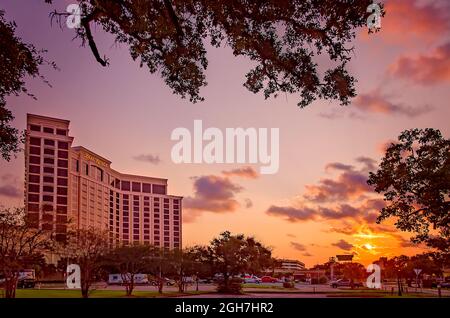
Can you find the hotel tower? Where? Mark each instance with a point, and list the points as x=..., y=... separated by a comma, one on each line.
x=65, y=183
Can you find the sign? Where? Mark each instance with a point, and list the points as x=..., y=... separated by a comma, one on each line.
x=73, y=279
x=95, y=160
x=345, y=258
x=417, y=271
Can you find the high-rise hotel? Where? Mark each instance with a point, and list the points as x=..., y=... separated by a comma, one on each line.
x=65, y=183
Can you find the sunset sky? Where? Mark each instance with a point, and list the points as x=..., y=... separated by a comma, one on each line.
x=318, y=204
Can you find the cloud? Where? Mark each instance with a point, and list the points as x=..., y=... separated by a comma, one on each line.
x=306, y=254
x=413, y=21
x=298, y=246
x=338, y=166
x=376, y=102
x=369, y=163
x=349, y=184
x=212, y=194
x=291, y=235
x=248, y=203
x=9, y=187
x=343, y=245
x=383, y=146
x=424, y=69
x=291, y=214
x=8, y=190
x=153, y=159
x=245, y=172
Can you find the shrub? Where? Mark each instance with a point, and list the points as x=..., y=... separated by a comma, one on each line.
x=234, y=286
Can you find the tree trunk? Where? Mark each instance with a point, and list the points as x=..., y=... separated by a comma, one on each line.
x=10, y=287
x=399, y=286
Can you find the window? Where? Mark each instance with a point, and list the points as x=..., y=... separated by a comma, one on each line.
x=62, y=172
x=33, y=207
x=49, y=161
x=34, y=169
x=146, y=187
x=75, y=165
x=35, y=160
x=49, y=169
x=35, y=141
x=49, y=130
x=33, y=197
x=159, y=189
x=63, y=145
x=48, y=189
x=136, y=187
x=48, y=198
x=63, y=154
x=49, y=142
x=61, y=132
x=33, y=188
x=35, y=150
x=126, y=185
x=49, y=152
x=48, y=179
x=61, y=209
x=35, y=127
x=86, y=169
x=63, y=163
x=33, y=178
x=62, y=182
x=62, y=191
x=61, y=200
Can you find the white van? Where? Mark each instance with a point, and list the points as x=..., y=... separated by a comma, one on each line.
x=116, y=279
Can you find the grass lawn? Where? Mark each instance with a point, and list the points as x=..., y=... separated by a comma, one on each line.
x=266, y=287
x=72, y=293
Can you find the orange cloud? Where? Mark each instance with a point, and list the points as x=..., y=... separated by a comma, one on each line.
x=424, y=69
x=411, y=20
x=376, y=102
x=245, y=172
x=211, y=194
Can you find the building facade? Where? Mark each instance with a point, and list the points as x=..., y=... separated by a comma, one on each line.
x=289, y=266
x=73, y=186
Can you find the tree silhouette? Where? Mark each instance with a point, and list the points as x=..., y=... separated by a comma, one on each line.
x=414, y=176
x=17, y=60
x=281, y=37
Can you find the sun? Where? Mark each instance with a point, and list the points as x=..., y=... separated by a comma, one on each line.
x=369, y=246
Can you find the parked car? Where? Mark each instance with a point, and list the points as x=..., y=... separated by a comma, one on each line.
x=27, y=279
x=345, y=283
x=117, y=279
x=248, y=279
x=167, y=282
x=269, y=279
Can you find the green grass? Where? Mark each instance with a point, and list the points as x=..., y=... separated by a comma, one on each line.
x=266, y=287
x=72, y=293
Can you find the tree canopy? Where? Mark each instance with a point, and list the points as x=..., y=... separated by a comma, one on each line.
x=414, y=177
x=17, y=61
x=281, y=37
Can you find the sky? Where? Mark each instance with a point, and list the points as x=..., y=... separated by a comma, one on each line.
x=318, y=204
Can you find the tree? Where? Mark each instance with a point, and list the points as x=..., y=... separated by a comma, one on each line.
x=397, y=267
x=353, y=272
x=17, y=61
x=414, y=177
x=129, y=261
x=87, y=248
x=280, y=37
x=231, y=255
x=21, y=246
x=182, y=264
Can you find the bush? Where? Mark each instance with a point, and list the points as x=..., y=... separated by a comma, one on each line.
x=288, y=285
x=234, y=286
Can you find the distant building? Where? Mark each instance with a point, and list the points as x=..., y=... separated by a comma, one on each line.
x=64, y=183
x=289, y=266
